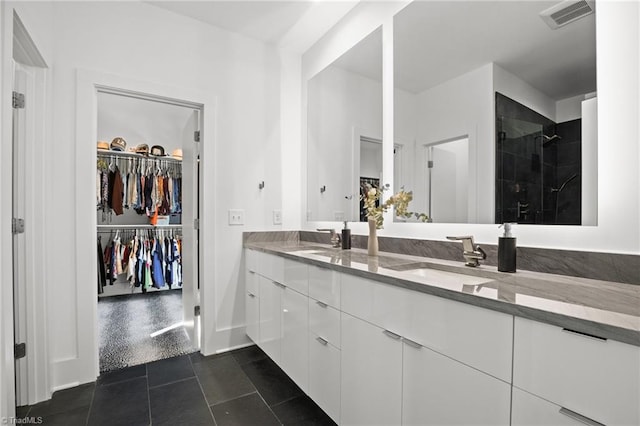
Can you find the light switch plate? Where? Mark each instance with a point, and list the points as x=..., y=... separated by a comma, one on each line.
x=339, y=216
x=236, y=217
x=277, y=217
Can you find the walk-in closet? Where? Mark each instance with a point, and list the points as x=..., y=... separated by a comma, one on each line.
x=139, y=235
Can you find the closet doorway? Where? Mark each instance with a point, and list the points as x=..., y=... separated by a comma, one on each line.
x=147, y=198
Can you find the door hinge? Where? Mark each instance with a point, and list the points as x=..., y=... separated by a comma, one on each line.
x=19, y=350
x=196, y=224
x=196, y=311
x=17, y=226
x=196, y=136
x=17, y=100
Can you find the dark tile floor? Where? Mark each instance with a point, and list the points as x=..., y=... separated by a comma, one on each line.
x=241, y=387
x=126, y=326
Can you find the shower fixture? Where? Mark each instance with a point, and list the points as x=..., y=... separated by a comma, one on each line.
x=557, y=191
x=548, y=139
x=575, y=175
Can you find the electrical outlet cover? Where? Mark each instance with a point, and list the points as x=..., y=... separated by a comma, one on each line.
x=277, y=217
x=236, y=217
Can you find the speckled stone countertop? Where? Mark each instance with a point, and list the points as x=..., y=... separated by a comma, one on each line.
x=599, y=308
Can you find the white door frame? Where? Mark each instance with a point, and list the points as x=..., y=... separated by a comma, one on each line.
x=84, y=366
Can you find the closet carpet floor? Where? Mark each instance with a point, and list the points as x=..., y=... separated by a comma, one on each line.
x=128, y=326
x=237, y=388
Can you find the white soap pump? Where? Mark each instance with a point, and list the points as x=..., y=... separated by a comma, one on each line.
x=507, y=250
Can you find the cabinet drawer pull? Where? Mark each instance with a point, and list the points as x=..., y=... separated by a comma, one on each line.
x=321, y=340
x=580, y=333
x=579, y=417
x=251, y=294
x=392, y=334
x=279, y=285
x=322, y=305
x=412, y=343
x=252, y=272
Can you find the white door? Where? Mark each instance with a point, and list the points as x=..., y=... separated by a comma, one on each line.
x=19, y=240
x=190, y=213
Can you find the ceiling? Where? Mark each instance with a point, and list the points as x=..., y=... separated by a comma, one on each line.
x=293, y=24
x=437, y=40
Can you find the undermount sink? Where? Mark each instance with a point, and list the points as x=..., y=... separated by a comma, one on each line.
x=447, y=277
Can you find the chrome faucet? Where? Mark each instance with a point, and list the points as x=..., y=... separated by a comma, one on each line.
x=335, y=237
x=471, y=252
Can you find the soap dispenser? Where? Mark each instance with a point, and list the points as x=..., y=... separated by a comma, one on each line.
x=507, y=250
x=346, y=237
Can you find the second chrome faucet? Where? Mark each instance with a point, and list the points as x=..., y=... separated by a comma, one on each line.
x=471, y=252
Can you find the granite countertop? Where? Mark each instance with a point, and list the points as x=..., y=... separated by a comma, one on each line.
x=600, y=308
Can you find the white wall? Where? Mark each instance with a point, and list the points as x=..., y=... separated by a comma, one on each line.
x=569, y=109
x=513, y=87
x=145, y=43
x=618, y=47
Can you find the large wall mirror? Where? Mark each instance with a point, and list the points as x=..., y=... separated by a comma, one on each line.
x=494, y=111
x=344, y=131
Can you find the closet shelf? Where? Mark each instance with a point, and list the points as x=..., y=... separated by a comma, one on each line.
x=118, y=227
x=135, y=155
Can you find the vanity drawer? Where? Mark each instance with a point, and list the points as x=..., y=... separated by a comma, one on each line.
x=271, y=266
x=324, y=285
x=529, y=410
x=251, y=260
x=324, y=321
x=598, y=378
x=251, y=282
x=296, y=276
x=477, y=337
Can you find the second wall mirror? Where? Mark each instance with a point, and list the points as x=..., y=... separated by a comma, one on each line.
x=527, y=157
x=344, y=131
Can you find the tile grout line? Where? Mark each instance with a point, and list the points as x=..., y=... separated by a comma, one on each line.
x=184, y=379
x=93, y=396
x=234, y=398
x=269, y=407
x=202, y=391
x=146, y=376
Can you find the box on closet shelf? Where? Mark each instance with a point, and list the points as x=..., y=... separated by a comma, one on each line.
x=162, y=220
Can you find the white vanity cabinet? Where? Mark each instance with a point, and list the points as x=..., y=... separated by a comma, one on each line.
x=252, y=303
x=368, y=352
x=595, y=378
x=371, y=379
x=454, y=360
x=277, y=317
x=325, y=340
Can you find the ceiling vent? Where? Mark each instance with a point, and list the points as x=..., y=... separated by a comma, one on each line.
x=566, y=12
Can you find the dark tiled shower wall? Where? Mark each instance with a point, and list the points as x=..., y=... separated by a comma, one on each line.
x=600, y=266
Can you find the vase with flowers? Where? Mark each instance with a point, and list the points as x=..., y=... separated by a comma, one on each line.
x=375, y=211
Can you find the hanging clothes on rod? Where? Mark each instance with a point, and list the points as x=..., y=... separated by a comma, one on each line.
x=147, y=185
x=145, y=257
